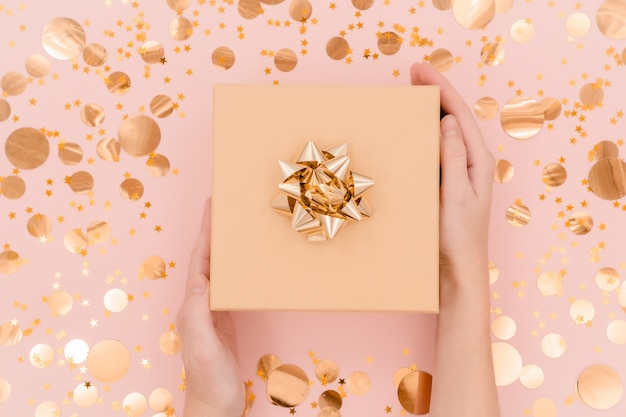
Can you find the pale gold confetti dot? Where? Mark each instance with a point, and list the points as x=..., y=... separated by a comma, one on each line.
x=359, y=383
x=549, y=283
x=554, y=175
x=134, y=404
x=577, y=24
x=616, y=332
x=267, y=364
x=85, y=395
x=41, y=355
x=327, y=371
x=389, y=43
x=152, y=52
x=553, y=345
x=131, y=189
x=591, y=94
x=544, y=407
x=442, y=4
x=441, y=59
x=39, y=226
x=580, y=223
x=328, y=412
x=503, y=327
x=337, y=48
x=139, y=135
x=492, y=54
x=81, y=182
x=27, y=148
x=63, y=38
x=414, y=392
x=473, y=14
x=95, y=55
x=12, y=187
x=9, y=262
x=504, y=171
x=607, y=279
x=518, y=215
x=600, y=387
x=5, y=390
x=399, y=375
x=116, y=300
x=522, y=31
x=75, y=241
x=287, y=386
x=285, y=59
x=118, y=83
x=551, y=108
x=170, y=342
x=181, y=28
x=223, y=57
x=5, y=110
x=10, y=334
x=108, y=149
x=503, y=6
x=161, y=106
x=531, y=376
x=98, y=232
x=605, y=149
x=607, y=179
x=611, y=19
x=160, y=399
x=494, y=273
x=70, y=153
x=37, y=66
x=300, y=10
x=582, y=311
x=362, y=4
x=249, y=9
x=486, y=108
x=522, y=118
x=92, y=114
x=76, y=350
x=48, y=409
x=158, y=165
x=108, y=361
x=330, y=398
x=60, y=303
x=178, y=5
x=153, y=267
x=507, y=363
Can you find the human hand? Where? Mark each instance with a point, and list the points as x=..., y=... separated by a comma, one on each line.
x=213, y=383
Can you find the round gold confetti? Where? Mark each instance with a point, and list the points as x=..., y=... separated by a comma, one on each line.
x=503, y=327
x=503, y=6
x=582, y=311
x=60, y=303
x=327, y=371
x=134, y=404
x=267, y=364
x=616, y=332
x=85, y=395
x=554, y=175
x=92, y=114
x=611, y=19
x=473, y=14
x=161, y=106
x=580, y=223
x=591, y=94
x=5, y=110
x=389, y=43
x=75, y=241
x=39, y=226
x=37, y=66
x=76, y=351
x=605, y=149
x=249, y=9
x=170, y=342
x=131, y=189
x=153, y=267
x=441, y=60
x=152, y=52
x=607, y=179
x=139, y=135
x=494, y=273
x=337, y=48
x=158, y=165
x=549, y=283
x=160, y=399
x=13, y=83
x=531, y=376
x=522, y=118
x=27, y=148
x=48, y=409
x=81, y=182
x=577, y=24
x=442, y=4
x=507, y=363
x=287, y=386
x=108, y=361
x=362, y=4
x=5, y=390
x=178, y=5
x=607, y=279
x=600, y=387
x=9, y=262
x=118, y=83
x=108, y=149
x=10, y=334
x=486, y=108
x=95, y=55
x=522, y=31
x=41, y=355
x=551, y=108
x=181, y=28
x=553, y=345
x=330, y=398
x=399, y=375
x=504, y=171
x=492, y=54
x=115, y=300
x=12, y=187
x=328, y=412
x=272, y=2
x=300, y=10
x=98, y=232
x=223, y=57
x=359, y=383
x=63, y=38
x=518, y=215
x=544, y=407
x=70, y=153
x=285, y=59
x=414, y=392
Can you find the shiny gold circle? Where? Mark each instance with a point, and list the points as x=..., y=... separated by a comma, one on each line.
x=178, y=5
x=544, y=407
x=63, y=38
x=522, y=118
x=131, y=189
x=486, y=108
x=337, y=48
x=27, y=148
x=442, y=4
x=504, y=171
x=249, y=9
x=60, y=303
x=39, y=226
x=41, y=355
x=75, y=241
x=551, y=108
x=492, y=54
x=607, y=179
x=550, y=283
x=362, y=4
x=580, y=223
x=108, y=149
x=414, y=392
x=272, y=2
x=600, y=387
x=266, y=365
x=507, y=363
x=13, y=83
x=160, y=399
x=116, y=300
x=327, y=371
x=328, y=412
x=70, y=153
x=108, y=361
x=161, y=106
x=223, y=57
x=285, y=59
x=330, y=398
x=287, y=386
x=399, y=374
x=591, y=94
x=582, y=311
x=300, y=10
x=95, y=55
x=118, y=83
x=503, y=327
x=134, y=404
x=531, y=376
x=10, y=334
x=153, y=267
x=48, y=409
x=441, y=59
x=5, y=110
x=37, y=66
x=98, y=232
x=605, y=149
x=553, y=345
x=577, y=24
x=81, y=182
x=494, y=273
x=503, y=6
x=158, y=165
x=389, y=43
x=518, y=215
x=139, y=135
x=181, y=28
x=611, y=19
x=92, y=114
x=358, y=383
x=473, y=14
x=607, y=279
x=616, y=332
x=9, y=262
x=170, y=342
x=85, y=395
x=554, y=175
x=12, y=187
x=152, y=52
x=5, y=390
x=522, y=31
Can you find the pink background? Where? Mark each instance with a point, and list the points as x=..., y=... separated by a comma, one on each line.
x=164, y=220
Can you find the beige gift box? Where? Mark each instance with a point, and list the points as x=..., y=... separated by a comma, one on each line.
x=387, y=262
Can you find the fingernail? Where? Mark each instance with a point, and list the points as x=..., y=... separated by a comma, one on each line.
x=449, y=126
x=198, y=284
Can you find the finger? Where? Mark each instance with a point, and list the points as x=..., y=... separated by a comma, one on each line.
x=201, y=254
x=455, y=181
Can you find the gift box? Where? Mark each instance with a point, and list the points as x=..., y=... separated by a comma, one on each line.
x=325, y=198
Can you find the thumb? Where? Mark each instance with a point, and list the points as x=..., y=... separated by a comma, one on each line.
x=195, y=320
x=454, y=173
